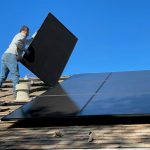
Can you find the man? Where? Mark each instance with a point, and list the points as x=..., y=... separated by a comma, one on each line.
x=9, y=61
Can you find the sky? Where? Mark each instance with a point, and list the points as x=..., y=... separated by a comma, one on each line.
x=114, y=35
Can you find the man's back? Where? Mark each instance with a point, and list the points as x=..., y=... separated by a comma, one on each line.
x=18, y=41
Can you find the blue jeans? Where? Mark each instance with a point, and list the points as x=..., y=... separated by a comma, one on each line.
x=9, y=64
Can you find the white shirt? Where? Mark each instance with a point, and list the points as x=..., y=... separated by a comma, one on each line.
x=19, y=43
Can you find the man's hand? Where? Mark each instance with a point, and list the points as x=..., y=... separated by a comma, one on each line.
x=33, y=36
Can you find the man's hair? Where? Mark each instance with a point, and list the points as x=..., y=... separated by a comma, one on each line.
x=24, y=28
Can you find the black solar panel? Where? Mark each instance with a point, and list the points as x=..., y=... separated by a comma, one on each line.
x=125, y=93
x=50, y=50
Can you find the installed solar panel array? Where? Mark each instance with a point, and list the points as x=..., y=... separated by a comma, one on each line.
x=125, y=93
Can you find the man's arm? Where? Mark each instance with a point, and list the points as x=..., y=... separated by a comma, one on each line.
x=21, y=42
x=28, y=41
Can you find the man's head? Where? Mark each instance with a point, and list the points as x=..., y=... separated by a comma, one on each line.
x=25, y=30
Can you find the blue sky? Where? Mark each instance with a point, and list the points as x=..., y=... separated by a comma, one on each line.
x=114, y=35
